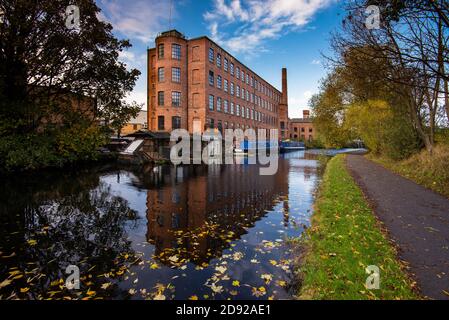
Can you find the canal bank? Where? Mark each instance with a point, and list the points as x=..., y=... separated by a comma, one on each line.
x=344, y=240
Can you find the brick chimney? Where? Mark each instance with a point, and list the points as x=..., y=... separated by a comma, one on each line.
x=306, y=114
x=284, y=87
x=283, y=108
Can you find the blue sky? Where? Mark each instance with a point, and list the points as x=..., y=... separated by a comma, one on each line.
x=266, y=35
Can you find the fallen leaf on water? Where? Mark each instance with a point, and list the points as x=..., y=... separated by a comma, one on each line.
x=32, y=242
x=267, y=277
x=90, y=292
x=193, y=298
x=23, y=290
x=154, y=266
x=5, y=283
x=254, y=261
x=236, y=283
x=221, y=269
x=105, y=285
x=159, y=297
x=216, y=289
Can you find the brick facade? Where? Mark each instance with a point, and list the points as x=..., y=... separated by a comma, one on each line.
x=201, y=62
x=302, y=128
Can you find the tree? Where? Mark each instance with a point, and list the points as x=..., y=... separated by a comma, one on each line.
x=45, y=62
x=413, y=38
x=42, y=59
x=118, y=115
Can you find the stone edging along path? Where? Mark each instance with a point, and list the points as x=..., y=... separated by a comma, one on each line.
x=416, y=218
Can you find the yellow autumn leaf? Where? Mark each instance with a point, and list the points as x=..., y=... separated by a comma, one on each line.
x=236, y=283
x=193, y=298
x=23, y=290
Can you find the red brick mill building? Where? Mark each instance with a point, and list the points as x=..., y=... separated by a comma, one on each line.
x=197, y=80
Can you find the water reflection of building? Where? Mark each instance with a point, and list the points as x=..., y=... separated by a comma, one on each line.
x=192, y=199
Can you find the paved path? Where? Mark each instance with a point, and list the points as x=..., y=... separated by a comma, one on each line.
x=416, y=218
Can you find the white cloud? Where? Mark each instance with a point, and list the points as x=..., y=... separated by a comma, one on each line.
x=137, y=19
x=259, y=20
x=316, y=62
x=298, y=103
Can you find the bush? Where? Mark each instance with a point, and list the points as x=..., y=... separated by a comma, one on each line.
x=54, y=148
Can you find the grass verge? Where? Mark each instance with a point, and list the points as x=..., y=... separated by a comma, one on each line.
x=344, y=239
x=431, y=172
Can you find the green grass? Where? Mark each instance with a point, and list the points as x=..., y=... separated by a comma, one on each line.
x=431, y=172
x=344, y=239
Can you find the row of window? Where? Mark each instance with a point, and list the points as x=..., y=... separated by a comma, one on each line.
x=175, y=98
x=241, y=75
x=175, y=51
x=222, y=105
x=210, y=123
x=175, y=123
x=303, y=130
x=175, y=74
x=238, y=92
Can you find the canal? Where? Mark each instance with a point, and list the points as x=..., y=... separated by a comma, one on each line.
x=194, y=232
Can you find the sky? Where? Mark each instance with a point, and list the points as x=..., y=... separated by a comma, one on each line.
x=266, y=35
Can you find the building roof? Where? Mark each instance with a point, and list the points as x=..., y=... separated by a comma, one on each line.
x=301, y=120
x=140, y=119
x=150, y=134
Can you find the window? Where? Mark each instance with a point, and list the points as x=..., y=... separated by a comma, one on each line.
x=237, y=72
x=226, y=85
x=303, y=130
x=232, y=107
x=310, y=130
x=226, y=106
x=160, y=98
x=232, y=69
x=247, y=78
x=212, y=124
x=176, y=51
x=211, y=55
x=252, y=114
x=176, y=74
x=219, y=82
x=218, y=60
x=243, y=93
x=252, y=82
x=211, y=102
x=175, y=123
x=160, y=123
x=160, y=51
x=232, y=88
x=219, y=104
x=211, y=78
x=225, y=66
x=176, y=99
x=161, y=74
x=243, y=75
x=237, y=91
x=247, y=95
x=237, y=110
x=247, y=113
x=219, y=126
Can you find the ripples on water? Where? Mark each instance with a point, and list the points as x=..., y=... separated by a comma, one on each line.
x=206, y=232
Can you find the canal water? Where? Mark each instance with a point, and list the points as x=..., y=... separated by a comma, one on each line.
x=193, y=232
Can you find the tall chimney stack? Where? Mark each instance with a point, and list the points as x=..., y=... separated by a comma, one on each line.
x=284, y=86
x=283, y=108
